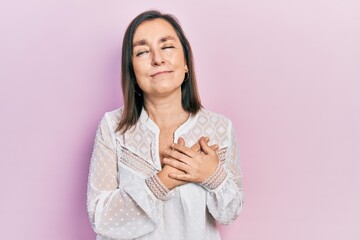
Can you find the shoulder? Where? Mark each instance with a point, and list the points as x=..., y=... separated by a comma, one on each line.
x=114, y=115
x=112, y=118
x=207, y=116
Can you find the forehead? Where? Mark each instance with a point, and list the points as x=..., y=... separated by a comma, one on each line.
x=153, y=30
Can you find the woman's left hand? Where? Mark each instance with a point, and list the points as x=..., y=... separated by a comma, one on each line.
x=197, y=165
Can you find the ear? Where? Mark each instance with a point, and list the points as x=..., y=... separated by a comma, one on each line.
x=186, y=68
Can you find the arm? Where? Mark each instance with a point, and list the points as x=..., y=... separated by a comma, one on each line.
x=130, y=211
x=225, y=195
x=220, y=177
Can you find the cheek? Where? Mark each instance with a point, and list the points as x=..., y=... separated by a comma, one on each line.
x=136, y=67
x=140, y=69
x=180, y=63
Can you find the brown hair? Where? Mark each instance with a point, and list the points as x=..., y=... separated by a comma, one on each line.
x=133, y=95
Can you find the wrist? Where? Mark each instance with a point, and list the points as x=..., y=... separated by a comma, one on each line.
x=215, y=179
x=159, y=190
x=164, y=178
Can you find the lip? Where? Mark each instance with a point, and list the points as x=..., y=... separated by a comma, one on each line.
x=159, y=73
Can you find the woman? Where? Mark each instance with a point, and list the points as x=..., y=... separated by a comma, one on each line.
x=162, y=167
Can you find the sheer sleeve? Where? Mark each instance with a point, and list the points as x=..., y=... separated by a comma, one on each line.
x=225, y=192
x=128, y=211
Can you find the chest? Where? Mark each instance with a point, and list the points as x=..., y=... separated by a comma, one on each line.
x=166, y=138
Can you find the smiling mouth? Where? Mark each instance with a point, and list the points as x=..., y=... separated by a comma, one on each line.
x=159, y=73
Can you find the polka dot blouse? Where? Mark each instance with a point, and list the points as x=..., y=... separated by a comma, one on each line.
x=126, y=199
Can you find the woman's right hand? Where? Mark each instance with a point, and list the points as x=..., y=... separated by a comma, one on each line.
x=171, y=183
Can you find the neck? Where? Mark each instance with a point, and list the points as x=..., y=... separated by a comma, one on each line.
x=166, y=112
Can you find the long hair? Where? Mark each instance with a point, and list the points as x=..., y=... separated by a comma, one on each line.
x=133, y=95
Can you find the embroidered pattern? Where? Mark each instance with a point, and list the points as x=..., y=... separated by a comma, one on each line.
x=136, y=163
x=139, y=141
x=215, y=179
x=221, y=154
x=157, y=187
x=210, y=125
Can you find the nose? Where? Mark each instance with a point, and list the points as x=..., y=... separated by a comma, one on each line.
x=157, y=58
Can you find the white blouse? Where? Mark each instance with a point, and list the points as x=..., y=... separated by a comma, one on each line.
x=126, y=199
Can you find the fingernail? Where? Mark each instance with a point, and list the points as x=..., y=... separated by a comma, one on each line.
x=207, y=139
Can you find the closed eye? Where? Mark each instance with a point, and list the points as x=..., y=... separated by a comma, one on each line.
x=141, y=53
x=166, y=47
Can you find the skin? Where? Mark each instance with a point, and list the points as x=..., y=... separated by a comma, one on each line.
x=158, y=60
x=160, y=66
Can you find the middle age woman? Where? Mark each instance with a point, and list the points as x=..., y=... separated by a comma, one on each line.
x=153, y=174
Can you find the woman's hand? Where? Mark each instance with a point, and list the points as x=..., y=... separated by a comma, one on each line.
x=170, y=183
x=167, y=170
x=195, y=165
x=196, y=147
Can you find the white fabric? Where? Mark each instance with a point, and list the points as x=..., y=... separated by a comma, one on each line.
x=121, y=205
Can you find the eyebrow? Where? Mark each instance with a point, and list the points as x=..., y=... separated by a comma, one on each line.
x=161, y=40
x=166, y=38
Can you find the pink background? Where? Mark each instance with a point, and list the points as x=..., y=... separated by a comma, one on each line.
x=286, y=72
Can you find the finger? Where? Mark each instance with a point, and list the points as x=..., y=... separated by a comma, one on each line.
x=196, y=147
x=181, y=141
x=178, y=155
x=214, y=147
x=185, y=150
x=181, y=177
x=205, y=147
x=177, y=164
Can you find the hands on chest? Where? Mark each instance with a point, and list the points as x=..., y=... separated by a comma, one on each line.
x=188, y=164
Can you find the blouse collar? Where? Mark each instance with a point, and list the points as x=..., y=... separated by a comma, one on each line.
x=183, y=128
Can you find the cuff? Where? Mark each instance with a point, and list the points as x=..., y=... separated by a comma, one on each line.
x=215, y=179
x=159, y=190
